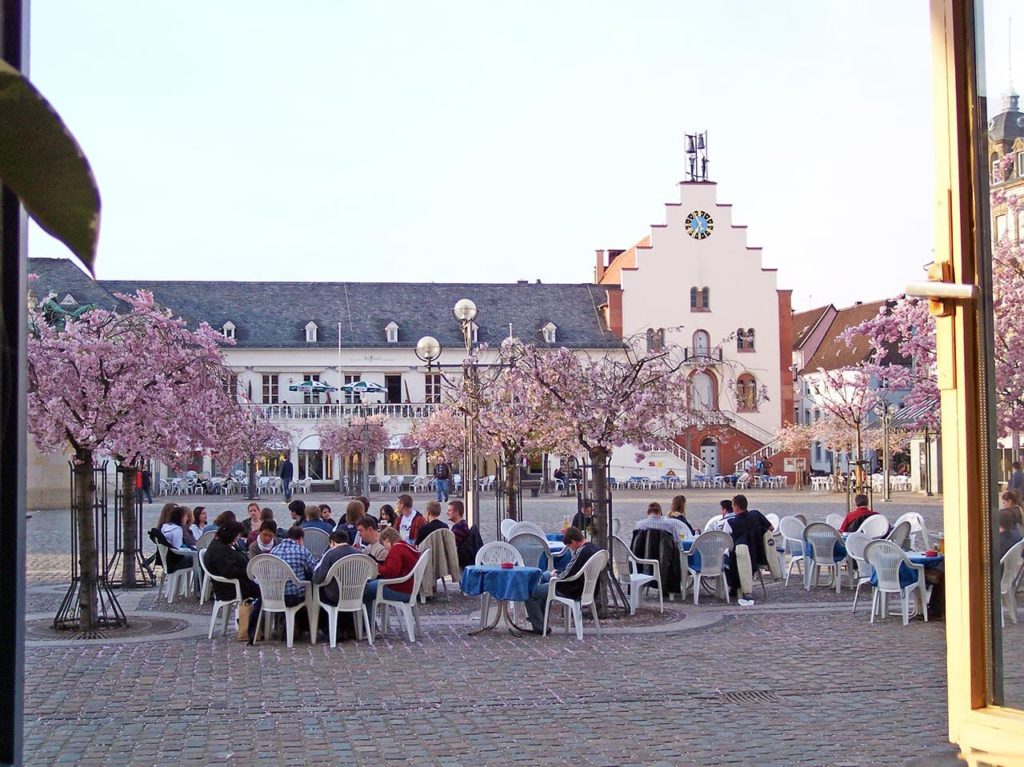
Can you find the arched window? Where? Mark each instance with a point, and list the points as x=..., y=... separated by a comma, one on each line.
x=701, y=343
x=702, y=391
x=700, y=299
x=746, y=393
x=744, y=340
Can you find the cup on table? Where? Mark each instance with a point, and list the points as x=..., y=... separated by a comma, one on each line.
x=507, y=565
x=940, y=543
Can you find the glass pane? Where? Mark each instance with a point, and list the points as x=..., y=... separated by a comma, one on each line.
x=1001, y=279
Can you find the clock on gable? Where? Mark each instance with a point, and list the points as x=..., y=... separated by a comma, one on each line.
x=699, y=225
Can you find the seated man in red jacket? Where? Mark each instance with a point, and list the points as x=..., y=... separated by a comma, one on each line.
x=400, y=560
x=856, y=517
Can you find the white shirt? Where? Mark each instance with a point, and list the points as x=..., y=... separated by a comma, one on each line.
x=405, y=525
x=674, y=526
x=174, y=534
x=719, y=523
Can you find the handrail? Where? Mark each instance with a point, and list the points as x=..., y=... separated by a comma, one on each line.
x=337, y=410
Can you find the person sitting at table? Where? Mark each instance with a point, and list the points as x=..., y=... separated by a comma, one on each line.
x=677, y=511
x=434, y=522
x=165, y=514
x=400, y=560
x=340, y=547
x=174, y=529
x=369, y=539
x=584, y=518
x=388, y=517
x=188, y=539
x=313, y=519
x=253, y=518
x=366, y=506
x=654, y=520
x=1009, y=532
x=467, y=540
x=198, y=522
x=855, y=518
x=266, y=539
x=297, y=510
x=325, y=515
x=293, y=551
x=223, y=559
x=582, y=551
x=719, y=522
x=747, y=528
x=409, y=519
x=354, y=511
x=1011, y=500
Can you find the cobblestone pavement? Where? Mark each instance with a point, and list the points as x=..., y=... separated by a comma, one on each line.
x=797, y=679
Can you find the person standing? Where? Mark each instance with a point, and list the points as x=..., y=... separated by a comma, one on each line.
x=287, y=473
x=1016, y=479
x=442, y=479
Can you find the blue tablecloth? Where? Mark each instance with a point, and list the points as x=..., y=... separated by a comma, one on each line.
x=838, y=551
x=554, y=536
x=515, y=584
x=908, y=575
x=694, y=561
x=562, y=559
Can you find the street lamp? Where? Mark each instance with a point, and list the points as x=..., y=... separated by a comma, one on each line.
x=465, y=312
x=366, y=466
x=885, y=411
x=428, y=349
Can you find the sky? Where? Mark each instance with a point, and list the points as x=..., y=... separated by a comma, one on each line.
x=461, y=141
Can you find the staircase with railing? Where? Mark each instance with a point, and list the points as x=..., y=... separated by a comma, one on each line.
x=696, y=464
x=762, y=453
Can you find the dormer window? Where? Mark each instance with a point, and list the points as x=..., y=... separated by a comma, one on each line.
x=228, y=331
x=549, y=331
x=311, y=332
x=68, y=300
x=391, y=331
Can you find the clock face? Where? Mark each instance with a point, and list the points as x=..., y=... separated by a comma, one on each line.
x=699, y=225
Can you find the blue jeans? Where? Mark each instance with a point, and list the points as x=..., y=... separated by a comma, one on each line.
x=536, y=603
x=442, y=489
x=370, y=593
x=287, y=484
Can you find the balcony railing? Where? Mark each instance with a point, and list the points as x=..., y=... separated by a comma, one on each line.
x=340, y=411
x=701, y=356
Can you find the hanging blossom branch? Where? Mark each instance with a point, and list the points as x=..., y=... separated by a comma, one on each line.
x=346, y=439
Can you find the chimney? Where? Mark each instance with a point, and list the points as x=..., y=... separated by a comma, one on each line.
x=600, y=268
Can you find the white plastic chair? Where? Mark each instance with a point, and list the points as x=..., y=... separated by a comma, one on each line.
x=822, y=539
x=1010, y=563
x=855, y=545
x=886, y=558
x=198, y=573
x=218, y=604
x=591, y=573
x=497, y=553
x=406, y=609
x=917, y=527
x=179, y=580
x=712, y=547
x=271, y=574
x=792, y=530
x=900, y=534
x=350, y=574
x=780, y=550
x=875, y=526
x=506, y=528
x=317, y=541
x=526, y=527
x=836, y=520
x=627, y=569
x=532, y=548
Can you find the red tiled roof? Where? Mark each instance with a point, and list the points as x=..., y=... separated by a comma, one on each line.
x=833, y=353
x=805, y=322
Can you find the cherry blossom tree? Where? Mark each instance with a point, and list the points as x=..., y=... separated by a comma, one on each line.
x=247, y=433
x=131, y=383
x=366, y=437
x=442, y=434
x=607, y=402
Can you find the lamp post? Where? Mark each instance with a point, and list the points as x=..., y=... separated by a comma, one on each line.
x=465, y=312
x=885, y=411
x=365, y=466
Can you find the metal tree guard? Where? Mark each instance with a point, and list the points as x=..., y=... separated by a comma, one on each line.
x=110, y=614
x=114, y=572
x=501, y=499
x=602, y=509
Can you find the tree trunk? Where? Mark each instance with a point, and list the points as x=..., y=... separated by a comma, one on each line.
x=129, y=527
x=512, y=485
x=252, y=478
x=599, y=491
x=88, y=570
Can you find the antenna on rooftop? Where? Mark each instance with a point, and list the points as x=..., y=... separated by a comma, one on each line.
x=697, y=156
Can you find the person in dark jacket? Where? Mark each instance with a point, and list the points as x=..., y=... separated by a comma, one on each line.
x=584, y=518
x=434, y=522
x=223, y=559
x=747, y=528
x=286, y=473
x=340, y=547
x=582, y=551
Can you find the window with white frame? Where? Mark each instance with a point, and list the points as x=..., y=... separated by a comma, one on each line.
x=391, y=332
x=270, y=389
x=228, y=331
x=351, y=398
x=549, y=332
x=1020, y=164
x=474, y=331
x=231, y=385
x=432, y=388
x=311, y=332
x=1020, y=221
x=1000, y=227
